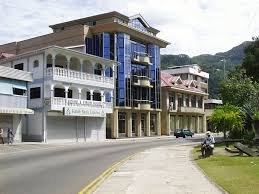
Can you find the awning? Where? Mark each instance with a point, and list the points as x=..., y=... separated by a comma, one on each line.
x=20, y=111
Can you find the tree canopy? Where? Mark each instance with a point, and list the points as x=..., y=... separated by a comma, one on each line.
x=251, y=60
x=238, y=89
x=227, y=118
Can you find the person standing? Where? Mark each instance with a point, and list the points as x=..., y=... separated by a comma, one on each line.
x=1, y=136
x=10, y=135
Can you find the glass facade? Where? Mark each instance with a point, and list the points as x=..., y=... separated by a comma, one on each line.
x=136, y=23
x=120, y=47
x=154, y=51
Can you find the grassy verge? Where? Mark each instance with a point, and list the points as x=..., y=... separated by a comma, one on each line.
x=236, y=174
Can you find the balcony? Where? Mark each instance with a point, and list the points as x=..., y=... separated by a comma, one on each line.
x=141, y=58
x=10, y=101
x=143, y=81
x=77, y=77
x=58, y=104
x=191, y=110
x=142, y=104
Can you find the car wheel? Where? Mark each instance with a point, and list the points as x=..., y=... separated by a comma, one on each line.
x=176, y=136
x=184, y=136
x=191, y=135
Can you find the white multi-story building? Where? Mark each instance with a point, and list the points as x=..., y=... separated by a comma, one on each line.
x=71, y=93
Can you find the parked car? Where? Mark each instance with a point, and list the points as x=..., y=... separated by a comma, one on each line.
x=183, y=133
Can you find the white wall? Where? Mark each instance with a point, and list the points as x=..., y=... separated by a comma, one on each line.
x=35, y=103
x=35, y=126
x=38, y=71
x=17, y=128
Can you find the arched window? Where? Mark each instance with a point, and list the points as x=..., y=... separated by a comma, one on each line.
x=35, y=63
x=98, y=69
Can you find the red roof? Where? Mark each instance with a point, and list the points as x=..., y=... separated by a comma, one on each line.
x=167, y=80
x=6, y=55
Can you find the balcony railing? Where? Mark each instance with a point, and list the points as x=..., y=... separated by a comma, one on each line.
x=58, y=103
x=10, y=101
x=191, y=110
x=141, y=81
x=77, y=76
x=142, y=104
x=142, y=58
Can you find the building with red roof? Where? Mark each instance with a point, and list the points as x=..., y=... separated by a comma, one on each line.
x=182, y=104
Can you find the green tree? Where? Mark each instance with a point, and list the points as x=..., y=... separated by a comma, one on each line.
x=251, y=60
x=238, y=89
x=227, y=118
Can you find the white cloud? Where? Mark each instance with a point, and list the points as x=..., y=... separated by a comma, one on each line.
x=192, y=26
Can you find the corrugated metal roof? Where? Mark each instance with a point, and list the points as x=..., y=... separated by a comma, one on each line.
x=16, y=74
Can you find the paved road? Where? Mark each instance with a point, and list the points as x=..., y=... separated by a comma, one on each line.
x=67, y=169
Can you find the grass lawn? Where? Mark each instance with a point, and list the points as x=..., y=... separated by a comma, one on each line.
x=236, y=174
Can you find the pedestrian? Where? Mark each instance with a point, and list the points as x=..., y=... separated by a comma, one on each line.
x=1, y=135
x=10, y=135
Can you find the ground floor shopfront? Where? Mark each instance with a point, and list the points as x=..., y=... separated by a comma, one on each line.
x=133, y=123
x=55, y=127
x=195, y=122
x=13, y=122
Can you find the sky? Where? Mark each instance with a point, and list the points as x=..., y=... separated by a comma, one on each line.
x=192, y=27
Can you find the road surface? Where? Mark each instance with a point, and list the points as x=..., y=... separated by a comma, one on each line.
x=67, y=169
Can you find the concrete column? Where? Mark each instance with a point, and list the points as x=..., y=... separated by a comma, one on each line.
x=203, y=103
x=129, y=124
x=138, y=125
x=53, y=61
x=148, y=124
x=204, y=124
x=44, y=125
x=176, y=101
x=91, y=95
x=191, y=122
x=52, y=91
x=185, y=121
x=79, y=93
x=196, y=97
x=197, y=124
x=68, y=62
x=102, y=96
x=158, y=123
x=77, y=125
x=177, y=122
x=66, y=91
x=115, y=124
x=190, y=101
x=184, y=100
x=103, y=70
x=81, y=65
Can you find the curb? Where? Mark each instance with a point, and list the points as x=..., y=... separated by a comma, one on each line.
x=223, y=191
x=91, y=187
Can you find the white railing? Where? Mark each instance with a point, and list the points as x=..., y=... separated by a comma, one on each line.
x=76, y=75
x=62, y=102
x=10, y=101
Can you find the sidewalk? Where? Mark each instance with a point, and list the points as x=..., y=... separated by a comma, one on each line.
x=160, y=170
